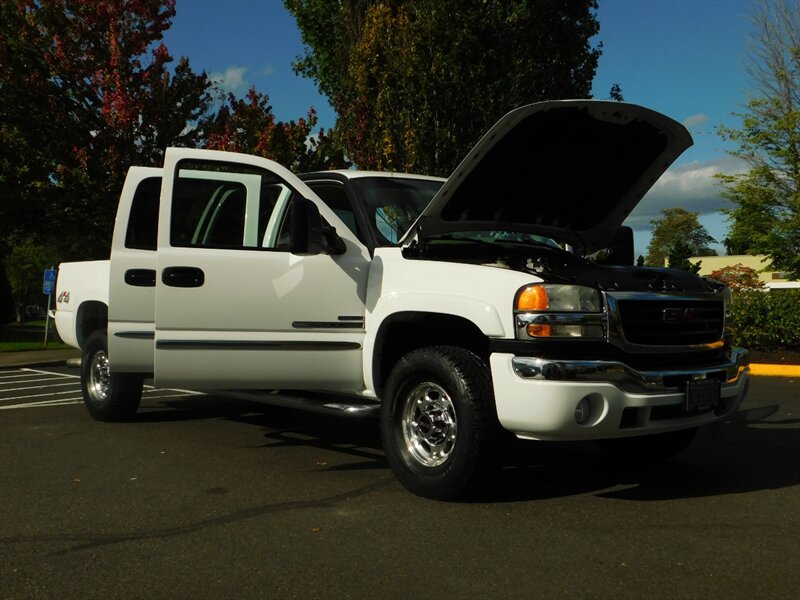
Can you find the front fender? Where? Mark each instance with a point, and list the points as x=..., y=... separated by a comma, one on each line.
x=479, y=312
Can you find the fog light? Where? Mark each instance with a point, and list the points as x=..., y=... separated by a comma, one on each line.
x=583, y=411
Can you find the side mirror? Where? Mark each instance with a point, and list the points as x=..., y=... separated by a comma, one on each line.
x=305, y=227
x=309, y=234
x=620, y=251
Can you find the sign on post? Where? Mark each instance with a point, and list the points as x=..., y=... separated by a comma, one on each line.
x=49, y=287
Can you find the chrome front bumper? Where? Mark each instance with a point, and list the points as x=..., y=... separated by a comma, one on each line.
x=624, y=377
x=537, y=398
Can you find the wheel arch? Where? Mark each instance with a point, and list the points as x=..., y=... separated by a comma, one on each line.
x=92, y=316
x=404, y=331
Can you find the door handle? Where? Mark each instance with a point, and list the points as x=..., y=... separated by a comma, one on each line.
x=186, y=277
x=141, y=277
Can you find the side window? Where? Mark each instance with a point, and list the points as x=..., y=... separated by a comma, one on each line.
x=334, y=195
x=220, y=205
x=143, y=220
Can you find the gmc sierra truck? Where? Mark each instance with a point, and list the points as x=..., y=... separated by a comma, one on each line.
x=502, y=299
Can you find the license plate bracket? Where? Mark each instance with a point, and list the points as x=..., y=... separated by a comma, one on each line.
x=702, y=394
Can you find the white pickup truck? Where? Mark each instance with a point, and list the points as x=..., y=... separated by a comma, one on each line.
x=502, y=298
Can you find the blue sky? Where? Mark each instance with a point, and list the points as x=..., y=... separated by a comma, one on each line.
x=681, y=57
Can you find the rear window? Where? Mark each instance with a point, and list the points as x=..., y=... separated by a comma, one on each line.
x=142, y=231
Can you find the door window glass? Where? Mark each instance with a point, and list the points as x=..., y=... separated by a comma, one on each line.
x=334, y=195
x=143, y=220
x=219, y=205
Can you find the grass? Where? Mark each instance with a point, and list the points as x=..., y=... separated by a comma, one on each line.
x=28, y=336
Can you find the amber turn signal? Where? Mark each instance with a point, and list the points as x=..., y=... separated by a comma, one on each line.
x=533, y=297
x=535, y=330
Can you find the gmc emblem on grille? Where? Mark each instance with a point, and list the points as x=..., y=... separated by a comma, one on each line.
x=677, y=315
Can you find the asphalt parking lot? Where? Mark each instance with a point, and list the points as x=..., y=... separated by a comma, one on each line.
x=206, y=497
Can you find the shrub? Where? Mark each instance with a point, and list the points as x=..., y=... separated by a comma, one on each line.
x=7, y=306
x=738, y=277
x=766, y=320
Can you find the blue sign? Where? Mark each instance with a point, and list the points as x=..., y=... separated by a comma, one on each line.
x=49, y=286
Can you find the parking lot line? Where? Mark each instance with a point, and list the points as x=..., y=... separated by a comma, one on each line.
x=4, y=376
x=43, y=403
x=42, y=385
x=36, y=395
x=50, y=373
x=182, y=395
x=38, y=387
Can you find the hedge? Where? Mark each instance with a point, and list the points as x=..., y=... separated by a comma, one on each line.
x=767, y=320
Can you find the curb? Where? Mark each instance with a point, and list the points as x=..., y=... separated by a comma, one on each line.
x=775, y=370
x=36, y=358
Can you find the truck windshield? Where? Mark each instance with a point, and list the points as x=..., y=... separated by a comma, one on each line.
x=394, y=203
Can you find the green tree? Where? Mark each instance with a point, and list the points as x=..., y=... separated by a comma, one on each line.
x=415, y=83
x=85, y=92
x=7, y=312
x=765, y=216
x=615, y=93
x=678, y=232
x=25, y=265
x=678, y=257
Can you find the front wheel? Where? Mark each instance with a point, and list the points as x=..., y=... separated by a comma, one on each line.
x=438, y=421
x=108, y=396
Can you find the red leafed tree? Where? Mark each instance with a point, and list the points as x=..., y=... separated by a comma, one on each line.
x=85, y=92
x=248, y=125
x=738, y=277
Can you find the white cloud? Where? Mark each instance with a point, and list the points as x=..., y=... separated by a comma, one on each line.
x=691, y=186
x=231, y=80
x=266, y=71
x=695, y=121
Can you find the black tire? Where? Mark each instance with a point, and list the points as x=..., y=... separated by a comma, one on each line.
x=648, y=448
x=107, y=396
x=438, y=421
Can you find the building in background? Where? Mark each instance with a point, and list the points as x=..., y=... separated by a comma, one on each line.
x=772, y=279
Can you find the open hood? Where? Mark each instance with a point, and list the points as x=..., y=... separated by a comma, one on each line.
x=572, y=170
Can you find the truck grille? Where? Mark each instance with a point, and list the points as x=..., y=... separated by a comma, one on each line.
x=671, y=322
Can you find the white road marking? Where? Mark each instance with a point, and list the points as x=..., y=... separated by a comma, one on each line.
x=51, y=373
x=31, y=380
x=38, y=387
x=18, y=376
x=178, y=395
x=61, y=402
x=36, y=395
x=50, y=380
x=149, y=389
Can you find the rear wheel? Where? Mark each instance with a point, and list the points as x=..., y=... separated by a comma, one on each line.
x=648, y=448
x=108, y=396
x=438, y=421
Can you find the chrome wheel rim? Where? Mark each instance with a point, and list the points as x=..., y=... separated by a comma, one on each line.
x=99, y=377
x=429, y=424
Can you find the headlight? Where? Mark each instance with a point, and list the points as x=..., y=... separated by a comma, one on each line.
x=559, y=311
x=558, y=298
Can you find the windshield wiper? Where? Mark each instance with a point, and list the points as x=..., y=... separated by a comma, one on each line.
x=457, y=238
x=498, y=242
